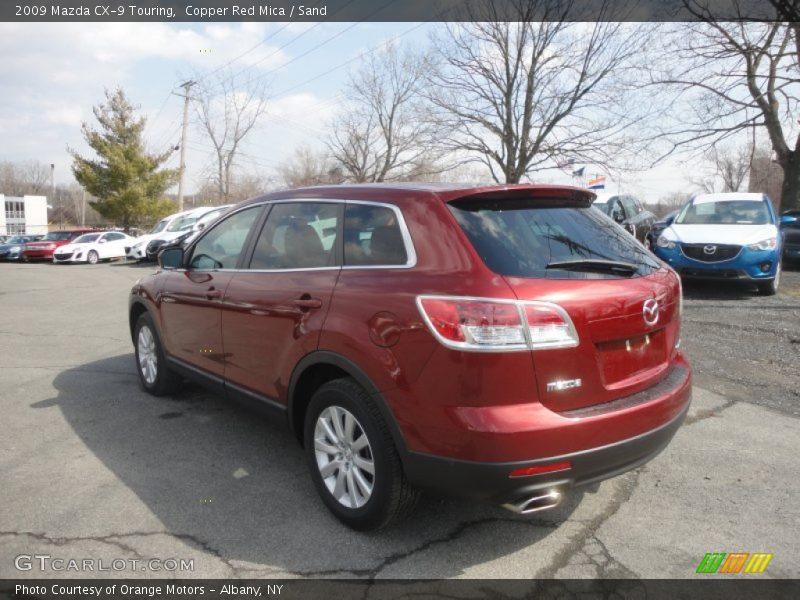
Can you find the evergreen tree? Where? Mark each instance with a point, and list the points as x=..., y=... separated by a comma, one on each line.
x=127, y=181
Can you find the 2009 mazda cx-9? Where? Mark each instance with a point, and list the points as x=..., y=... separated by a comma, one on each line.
x=504, y=343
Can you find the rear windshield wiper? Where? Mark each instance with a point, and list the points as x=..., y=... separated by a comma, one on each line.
x=596, y=264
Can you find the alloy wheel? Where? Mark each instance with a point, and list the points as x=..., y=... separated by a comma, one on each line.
x=344, y=457
x=148, y=359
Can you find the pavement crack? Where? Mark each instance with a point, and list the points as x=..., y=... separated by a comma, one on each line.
x=708, y=413
x=578, y=541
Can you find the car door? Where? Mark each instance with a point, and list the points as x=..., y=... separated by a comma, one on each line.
x=108, y=245
x=191, y=297
x=274, y=310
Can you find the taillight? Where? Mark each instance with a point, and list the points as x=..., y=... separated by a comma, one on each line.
x=483, y=324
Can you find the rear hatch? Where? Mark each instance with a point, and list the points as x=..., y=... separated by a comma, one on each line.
x=623, y=303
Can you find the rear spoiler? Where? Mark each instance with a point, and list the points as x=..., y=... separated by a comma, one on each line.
x=548, y=195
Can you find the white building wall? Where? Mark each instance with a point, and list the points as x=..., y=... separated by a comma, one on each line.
x=35, y=214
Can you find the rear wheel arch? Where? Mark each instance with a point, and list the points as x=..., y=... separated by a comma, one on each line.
x=318, y=368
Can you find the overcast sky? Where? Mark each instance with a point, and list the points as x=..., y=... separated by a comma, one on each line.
x=53, y=74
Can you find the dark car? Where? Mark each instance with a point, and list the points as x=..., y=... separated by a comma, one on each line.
x=155, y=246
x=44, y=248
x=627, y=210
x=790, y=227
x=12, y=248
x=503, y=343
x=659, y=226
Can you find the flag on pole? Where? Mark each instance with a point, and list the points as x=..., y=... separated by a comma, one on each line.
x=598, y=182
x=578, y=172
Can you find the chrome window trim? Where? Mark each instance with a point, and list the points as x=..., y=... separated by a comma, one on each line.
x=408, y=243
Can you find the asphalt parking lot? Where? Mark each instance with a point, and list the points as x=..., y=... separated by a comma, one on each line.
x=93, y=468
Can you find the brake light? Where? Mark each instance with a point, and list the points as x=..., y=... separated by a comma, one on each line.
x=483, y=324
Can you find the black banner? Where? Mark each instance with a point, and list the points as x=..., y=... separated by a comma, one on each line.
x=735, y=588
x=384, y=10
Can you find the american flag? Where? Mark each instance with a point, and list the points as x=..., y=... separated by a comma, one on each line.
x=598, y=182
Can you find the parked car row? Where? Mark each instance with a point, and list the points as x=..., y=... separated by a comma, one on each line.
x=172, y=229
x=732, y=236
x=92, y=246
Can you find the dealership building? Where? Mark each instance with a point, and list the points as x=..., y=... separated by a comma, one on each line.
x=23, y=214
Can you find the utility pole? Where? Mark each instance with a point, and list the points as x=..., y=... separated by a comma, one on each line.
x=186, y=85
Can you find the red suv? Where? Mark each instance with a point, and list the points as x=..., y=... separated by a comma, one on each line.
x=504, y=343
x=44, y=248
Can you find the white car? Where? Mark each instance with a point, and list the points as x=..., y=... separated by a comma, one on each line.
x=93, y=247
x=170, y=228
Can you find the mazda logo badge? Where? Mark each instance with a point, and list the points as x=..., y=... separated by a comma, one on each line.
x=650, y=312
x=709, y=249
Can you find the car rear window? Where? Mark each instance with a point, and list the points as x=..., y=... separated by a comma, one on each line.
x=521, y=237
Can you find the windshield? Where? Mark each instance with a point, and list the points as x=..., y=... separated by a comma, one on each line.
x=182, y=223
x=725, y=212
x=85, y=239
x=57, y=236
x=531, y=238
x=159, y=226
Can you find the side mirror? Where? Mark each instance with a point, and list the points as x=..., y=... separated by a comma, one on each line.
x=171, y=258
x=101, y=241
x=788, y=219
x=670, y=220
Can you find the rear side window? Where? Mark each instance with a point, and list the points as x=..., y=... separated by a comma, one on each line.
x=298, y=235
x=529, y=238
x=372, y=237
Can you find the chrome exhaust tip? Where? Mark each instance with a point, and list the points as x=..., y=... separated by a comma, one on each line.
x=532, y=504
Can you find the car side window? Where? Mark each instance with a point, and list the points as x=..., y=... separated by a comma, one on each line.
x=298, y=235
x=617, y=212
x=630, y=205
x=221, y=247
x=114, y=236
x=372, y=237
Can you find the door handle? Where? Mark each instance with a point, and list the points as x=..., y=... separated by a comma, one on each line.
x=212, y=293
x=308, y=303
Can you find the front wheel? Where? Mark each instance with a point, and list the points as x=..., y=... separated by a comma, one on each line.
x=92, y=257
x=154, y=375
x=352, y=458
x=770, y=288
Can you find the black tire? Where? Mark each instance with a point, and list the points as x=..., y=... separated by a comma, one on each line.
x=770, y=288
x=92, y=258
x=392, y=497
x=165, y=381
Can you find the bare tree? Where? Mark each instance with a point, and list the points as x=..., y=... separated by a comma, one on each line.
x=730, y=167
x=228, y=111
x=385, y=134
x=27, y=177
x=307, y=167
x=528, y=94
x=766, y=176
x=730, y=77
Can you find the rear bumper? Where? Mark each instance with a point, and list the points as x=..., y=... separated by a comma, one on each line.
x=491, y=481
x=600, y=441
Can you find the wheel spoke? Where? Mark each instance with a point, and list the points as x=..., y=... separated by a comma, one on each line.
x=349, y=426
x=337, y=423
x=322, y=446
x=360, y=443
x=351, y=490
x=364, y=486
x=338, y=491
x=328, y=431
x=364, y=464
x=330, y=469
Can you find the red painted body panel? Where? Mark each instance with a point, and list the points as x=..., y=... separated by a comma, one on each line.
x=44, y=250
x=474, y=406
